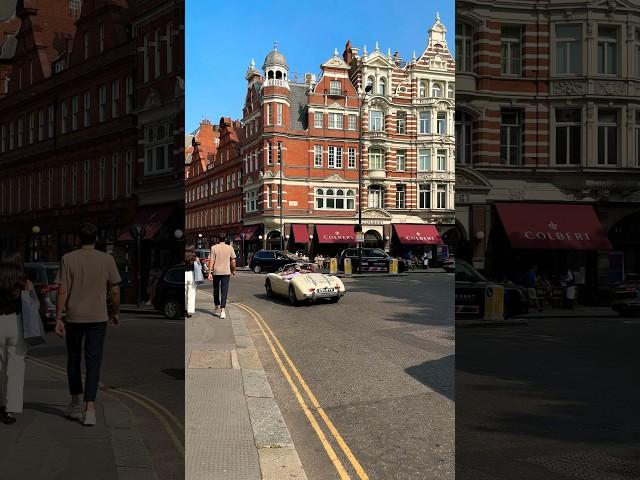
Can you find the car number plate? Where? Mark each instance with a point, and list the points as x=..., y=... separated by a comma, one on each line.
x=326, y=290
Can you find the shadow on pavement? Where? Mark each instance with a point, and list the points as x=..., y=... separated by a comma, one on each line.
x=436, y=375
x=177, y=373
x=570, y=381
x=46, y=408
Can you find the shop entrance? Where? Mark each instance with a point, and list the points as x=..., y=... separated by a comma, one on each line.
x=273, y=240
x=373, y=239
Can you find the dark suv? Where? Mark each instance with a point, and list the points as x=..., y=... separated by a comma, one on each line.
x=373, y=260
x=271, y=260
x=169, y=297
x=43, y=276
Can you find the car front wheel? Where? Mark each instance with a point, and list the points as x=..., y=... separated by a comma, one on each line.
x=267, y=287
x=257, y=269
x=171, y=309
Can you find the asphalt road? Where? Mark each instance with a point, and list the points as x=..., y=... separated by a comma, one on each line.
x=557, y=399
x=380, y=363
x=144, y=355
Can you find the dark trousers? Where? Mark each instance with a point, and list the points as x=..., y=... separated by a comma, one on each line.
x=93, y=334
x=220, y=290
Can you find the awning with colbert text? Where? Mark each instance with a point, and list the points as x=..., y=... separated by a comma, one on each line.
x=300, y=234
x=552, y=226
x=417, y=234
x=336, y=233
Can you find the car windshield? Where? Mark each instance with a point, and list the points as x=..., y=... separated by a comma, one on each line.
x=37, y=274
x=175, y=275
x=466, y=273
x=51, y=274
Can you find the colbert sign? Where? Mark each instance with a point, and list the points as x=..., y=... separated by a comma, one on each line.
x=337, y=236
x=420, y=237
x=552, y=226
x=416, y=234
x=336, y=233
x=554, y=234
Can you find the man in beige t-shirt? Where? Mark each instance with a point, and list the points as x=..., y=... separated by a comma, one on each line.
x=222, y=264
x=84, y=278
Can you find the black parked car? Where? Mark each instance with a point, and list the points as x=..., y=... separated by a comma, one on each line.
x=470, y=294
x=271, y=260
x=43, y=276
x=626, y=297
x=169, y=298
x=373, y=260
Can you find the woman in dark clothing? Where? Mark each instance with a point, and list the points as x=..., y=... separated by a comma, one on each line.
x=13, y=348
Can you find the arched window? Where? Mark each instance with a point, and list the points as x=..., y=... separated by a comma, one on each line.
x=319, y=198
x=422, y=88
x=270, y=74
x=451, y=90
x=382, y=86
x=350, y=200
x=278, y=75
x=335, y=199
x=436, y=90
x=371, y=81
x=376, y=197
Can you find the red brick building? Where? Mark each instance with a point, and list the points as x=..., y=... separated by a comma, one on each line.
x=69, y=141
x=302, y=149
x=548, y=113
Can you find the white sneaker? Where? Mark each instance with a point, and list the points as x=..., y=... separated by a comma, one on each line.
x=89, y=419
x=73, y=412
x=222, y=314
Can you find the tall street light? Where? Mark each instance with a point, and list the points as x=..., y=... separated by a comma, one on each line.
x=281, y=200
x=367, y=89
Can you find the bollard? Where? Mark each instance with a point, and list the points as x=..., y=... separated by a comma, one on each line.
x=393, y=266
x=333, y=266
x=348, y=270
x=494, y=302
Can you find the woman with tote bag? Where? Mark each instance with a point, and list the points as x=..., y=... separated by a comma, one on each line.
x=13, y=348
x=190, y=260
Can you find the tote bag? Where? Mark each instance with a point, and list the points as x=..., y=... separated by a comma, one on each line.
x=31, y=322
x=197, y=272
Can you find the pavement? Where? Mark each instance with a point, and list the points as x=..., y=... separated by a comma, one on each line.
x=554, y=400
x=234, y=427
x=43, y=444
x=365, y=385
x=140, y=410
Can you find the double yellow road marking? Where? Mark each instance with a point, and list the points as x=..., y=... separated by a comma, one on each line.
x=279, y=354
x=172, y=425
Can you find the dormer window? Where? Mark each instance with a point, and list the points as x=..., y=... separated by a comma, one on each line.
x=382, y=86
x=335, y=87
x=422, y=89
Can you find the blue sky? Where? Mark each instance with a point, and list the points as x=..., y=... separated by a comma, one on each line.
x=223, y=37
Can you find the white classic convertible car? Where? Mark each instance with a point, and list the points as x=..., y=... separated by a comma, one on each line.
x=302, y=281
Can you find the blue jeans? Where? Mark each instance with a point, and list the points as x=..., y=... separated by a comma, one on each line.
x=93, y=334
x=220, y=290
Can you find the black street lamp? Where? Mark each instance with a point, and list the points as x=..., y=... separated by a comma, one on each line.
x=358, y=228
x=281, y=200
x=244, y=254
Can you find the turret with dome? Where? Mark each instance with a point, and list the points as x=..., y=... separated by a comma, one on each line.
x=275, y=65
